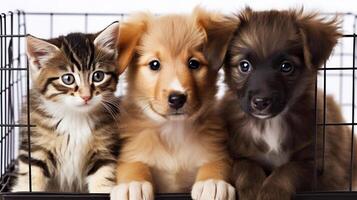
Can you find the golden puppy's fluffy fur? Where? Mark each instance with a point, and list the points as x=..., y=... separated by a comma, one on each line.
x=168, y=149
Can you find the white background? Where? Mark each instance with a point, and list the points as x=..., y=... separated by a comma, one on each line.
x=164, y=6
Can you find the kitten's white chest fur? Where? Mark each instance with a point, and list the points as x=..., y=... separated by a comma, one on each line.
x=273, y=134
x=75, y=130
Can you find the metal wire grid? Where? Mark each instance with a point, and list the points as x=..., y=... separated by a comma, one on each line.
x=13, y=78
x=15, y=81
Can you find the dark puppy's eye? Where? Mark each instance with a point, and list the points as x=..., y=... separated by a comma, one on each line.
x=68, y=79
x=245, y=66
x=194, y=63
x=154, y=65
x=286, y=67
x=98, y=76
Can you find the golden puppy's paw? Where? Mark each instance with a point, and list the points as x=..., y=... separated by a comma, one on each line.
x=213, y=190
x=134, y=190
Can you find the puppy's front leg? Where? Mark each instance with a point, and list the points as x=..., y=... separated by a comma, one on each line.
x=286, y=180
x=249, y=178
x=134, y=182
x=212, y=182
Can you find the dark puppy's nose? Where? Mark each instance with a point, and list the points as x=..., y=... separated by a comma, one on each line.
x=261, y=103
x=177, y=100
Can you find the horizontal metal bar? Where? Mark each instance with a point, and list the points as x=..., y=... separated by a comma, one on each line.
x=75, y=13
x=17, y=125
x=74, y=196
x=349, y=35
x=61, y=196
x=8, y=36
x=13, y=69
x=337, y=124
x=336, y=68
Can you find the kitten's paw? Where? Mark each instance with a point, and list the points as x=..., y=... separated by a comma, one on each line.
x=133, y=191
x=213, y=190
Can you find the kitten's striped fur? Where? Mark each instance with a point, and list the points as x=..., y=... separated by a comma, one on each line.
x=74, y=146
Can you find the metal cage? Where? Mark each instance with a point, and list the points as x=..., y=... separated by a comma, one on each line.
x=15, y=85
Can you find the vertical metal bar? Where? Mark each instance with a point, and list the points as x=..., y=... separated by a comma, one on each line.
x=1, y=102
x=51, y=24
x=28, y=112
x=86, y=22
x=18, y=74
x=8, y=55
x=11, y=48
x=23, y=75
x=353, y=109
x=6, y=81
x=122, y=17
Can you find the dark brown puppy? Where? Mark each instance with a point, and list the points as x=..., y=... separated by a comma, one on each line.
x=270, y=71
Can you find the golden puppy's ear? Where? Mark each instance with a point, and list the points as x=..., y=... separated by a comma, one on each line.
x=218, y=30
x=130, y=33
x=319, y=37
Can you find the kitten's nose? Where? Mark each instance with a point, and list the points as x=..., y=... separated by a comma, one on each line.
x=86, y=98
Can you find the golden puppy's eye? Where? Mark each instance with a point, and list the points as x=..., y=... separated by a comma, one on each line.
x=286, y=67
x=194, y=63
x=245, y=67
x=154, y=65
x=67, y=79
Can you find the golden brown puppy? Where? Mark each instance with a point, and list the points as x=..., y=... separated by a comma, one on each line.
x=270, y=70
x=173, y=140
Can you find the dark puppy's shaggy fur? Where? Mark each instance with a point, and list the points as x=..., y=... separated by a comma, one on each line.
x=270, y=70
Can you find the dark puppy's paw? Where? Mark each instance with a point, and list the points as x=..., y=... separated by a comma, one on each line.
x=272, y=192
x=248, y=193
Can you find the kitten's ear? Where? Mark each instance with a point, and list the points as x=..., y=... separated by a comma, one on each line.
x=107, y=39
x=319, y=37
x=39, y=52
x=130, y=33
x=218, y=30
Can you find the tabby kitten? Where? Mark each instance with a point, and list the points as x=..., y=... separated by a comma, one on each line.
x=72, y=104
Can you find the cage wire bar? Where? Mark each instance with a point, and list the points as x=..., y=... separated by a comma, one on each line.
x=15, y=85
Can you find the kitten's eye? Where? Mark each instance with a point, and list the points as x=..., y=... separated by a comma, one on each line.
x=286, y=67
x=98, y=76
x=245, y=66
x=68, y=79
x=154, y=65
x=194, y=63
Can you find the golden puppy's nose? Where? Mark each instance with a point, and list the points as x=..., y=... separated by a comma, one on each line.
x=177, y=100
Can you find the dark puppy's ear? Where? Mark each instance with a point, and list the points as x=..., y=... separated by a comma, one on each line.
x=319, y=36
x=218, y=30
x=130, y=33
x=244, y=16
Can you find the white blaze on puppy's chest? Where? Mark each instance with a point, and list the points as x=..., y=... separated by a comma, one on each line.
x=273, y=134
x=174, y=161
